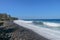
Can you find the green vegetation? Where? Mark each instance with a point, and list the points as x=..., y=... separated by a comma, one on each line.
x=4, y=16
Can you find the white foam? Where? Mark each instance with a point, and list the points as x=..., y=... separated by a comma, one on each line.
x=47, y=33
x=25, y=21
x=50, y=24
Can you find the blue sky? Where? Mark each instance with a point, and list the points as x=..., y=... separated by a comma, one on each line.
x=37, y=9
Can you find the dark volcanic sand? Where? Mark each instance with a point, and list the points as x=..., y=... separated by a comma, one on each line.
x=20, y=33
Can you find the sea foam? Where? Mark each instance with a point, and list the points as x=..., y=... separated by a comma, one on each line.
x=50, y=24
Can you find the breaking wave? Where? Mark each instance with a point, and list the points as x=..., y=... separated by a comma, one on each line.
x=52, y=24
x=49, y=24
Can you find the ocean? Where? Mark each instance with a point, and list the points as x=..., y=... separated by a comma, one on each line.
x=53, y=24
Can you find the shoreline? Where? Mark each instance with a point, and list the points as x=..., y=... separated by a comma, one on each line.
x=45, y=32
x=33, y=34
x=18, y=32
x=29, y=34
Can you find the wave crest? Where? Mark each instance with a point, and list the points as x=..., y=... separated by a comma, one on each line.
x=51, y=24
x=48, y=24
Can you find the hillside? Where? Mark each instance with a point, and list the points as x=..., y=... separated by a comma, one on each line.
x=5, y=16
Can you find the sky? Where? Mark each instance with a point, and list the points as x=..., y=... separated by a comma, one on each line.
x=31, y=9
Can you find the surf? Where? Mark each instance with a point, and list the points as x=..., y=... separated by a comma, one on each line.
x=51, y=24
x=48, y=24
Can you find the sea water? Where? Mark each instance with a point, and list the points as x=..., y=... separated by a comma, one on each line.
x=53, y=24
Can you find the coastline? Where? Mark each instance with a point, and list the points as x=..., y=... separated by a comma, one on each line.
x=17, y=32
x=27, y=34
x=45, y=32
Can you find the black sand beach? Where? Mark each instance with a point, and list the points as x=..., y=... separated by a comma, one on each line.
x=17, y=32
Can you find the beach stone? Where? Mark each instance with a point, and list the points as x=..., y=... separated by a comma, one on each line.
x=17, y=32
